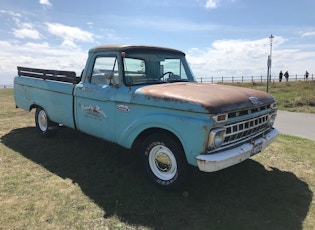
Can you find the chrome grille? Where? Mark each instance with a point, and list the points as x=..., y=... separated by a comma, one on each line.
x=248, y=111
x=241, y=130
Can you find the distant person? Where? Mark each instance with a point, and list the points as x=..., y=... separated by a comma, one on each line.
x=306, y=75
x=286, y=75
x=280, y=76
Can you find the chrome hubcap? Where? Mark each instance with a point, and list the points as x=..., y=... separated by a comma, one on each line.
x=42, y=120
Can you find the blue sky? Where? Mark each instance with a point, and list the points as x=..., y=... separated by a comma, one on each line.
x=219, y=37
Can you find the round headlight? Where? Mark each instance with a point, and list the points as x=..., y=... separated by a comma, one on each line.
x=271, y=119
x=216, y=137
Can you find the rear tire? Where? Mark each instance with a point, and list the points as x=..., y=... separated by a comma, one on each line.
x=44, y=125
x=164, y=160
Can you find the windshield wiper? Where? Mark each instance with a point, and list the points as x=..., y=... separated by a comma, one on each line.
x=178, y=80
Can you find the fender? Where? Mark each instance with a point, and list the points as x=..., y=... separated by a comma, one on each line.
x=181, y=126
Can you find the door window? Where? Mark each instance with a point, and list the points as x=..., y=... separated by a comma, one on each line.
x=105, y=71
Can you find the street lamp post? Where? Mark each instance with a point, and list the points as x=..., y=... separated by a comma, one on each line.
x=269, y=63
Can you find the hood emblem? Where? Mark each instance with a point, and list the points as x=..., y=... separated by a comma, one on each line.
x=254, y=100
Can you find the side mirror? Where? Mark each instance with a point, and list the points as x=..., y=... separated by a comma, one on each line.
x=110, y=76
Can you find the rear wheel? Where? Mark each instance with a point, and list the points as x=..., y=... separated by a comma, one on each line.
x=44, y=125
x=164, y=160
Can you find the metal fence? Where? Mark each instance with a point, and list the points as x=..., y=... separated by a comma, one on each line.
x=232, y=79
x=241, y=79
x=4, y=86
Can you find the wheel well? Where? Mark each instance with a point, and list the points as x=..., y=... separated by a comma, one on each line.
x=34, y=106
x=148, y=132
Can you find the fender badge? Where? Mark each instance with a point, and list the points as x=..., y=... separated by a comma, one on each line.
x=123, y=108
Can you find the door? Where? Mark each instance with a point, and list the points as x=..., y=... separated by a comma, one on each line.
x=95, y=98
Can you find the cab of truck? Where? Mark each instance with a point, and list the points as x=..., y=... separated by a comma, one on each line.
x=136, y=65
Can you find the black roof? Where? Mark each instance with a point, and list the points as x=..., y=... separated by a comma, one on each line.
x=125, y=47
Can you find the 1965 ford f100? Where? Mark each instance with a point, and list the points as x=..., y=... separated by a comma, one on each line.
x=146, y=98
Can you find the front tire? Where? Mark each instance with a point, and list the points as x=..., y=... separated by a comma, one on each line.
x=164, y=160
x=44, y=125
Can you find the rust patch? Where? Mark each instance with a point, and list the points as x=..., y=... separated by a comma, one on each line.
x=214, y=98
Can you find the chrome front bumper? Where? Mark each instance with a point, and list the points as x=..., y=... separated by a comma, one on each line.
x=225, y=159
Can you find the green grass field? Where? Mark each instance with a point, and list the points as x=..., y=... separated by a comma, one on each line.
x=291, y=96
x=75, y=181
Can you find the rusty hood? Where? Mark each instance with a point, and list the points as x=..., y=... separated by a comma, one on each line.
x=200, y=97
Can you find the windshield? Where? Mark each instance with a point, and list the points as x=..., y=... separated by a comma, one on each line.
x=151, y=67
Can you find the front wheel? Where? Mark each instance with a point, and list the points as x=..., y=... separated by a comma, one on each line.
x=164, y=160
x=44, y=125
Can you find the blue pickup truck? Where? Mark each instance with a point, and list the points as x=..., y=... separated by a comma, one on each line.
x=146, y=98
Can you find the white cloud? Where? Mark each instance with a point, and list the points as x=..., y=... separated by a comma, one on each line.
x=212, y=4
x=45, y=2
x=38, y=55
x=11, y=13
x=308, y=34
x=26, y=31
x=247, y=58
x=69, y=44
x=70, y=34
x=228, y=58
x=225, y=58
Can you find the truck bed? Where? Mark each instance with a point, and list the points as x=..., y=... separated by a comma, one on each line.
x=51, y=90
x=55, y=75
